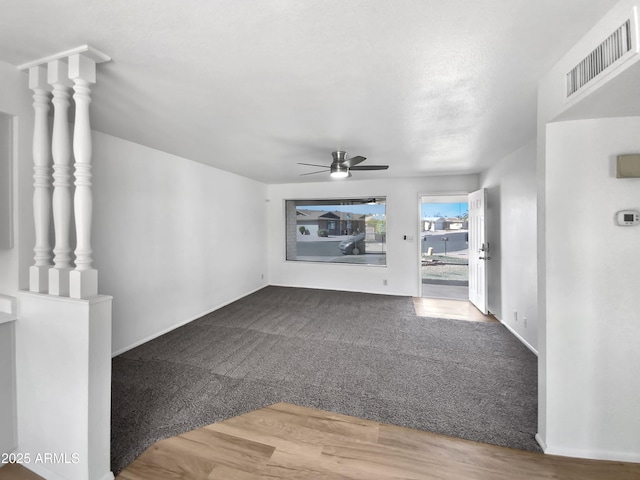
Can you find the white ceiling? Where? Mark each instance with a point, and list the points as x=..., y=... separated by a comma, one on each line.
x=254, y=86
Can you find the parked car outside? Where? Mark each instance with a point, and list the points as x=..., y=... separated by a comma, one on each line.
x=353, y=245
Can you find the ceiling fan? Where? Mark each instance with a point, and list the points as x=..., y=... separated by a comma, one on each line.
x=342, y=166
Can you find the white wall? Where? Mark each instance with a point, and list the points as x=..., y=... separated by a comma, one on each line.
x=402, y=270
x=593, y=322
x=172, y=239
x=511, y=224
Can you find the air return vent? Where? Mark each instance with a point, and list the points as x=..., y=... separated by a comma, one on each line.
x=615, y=47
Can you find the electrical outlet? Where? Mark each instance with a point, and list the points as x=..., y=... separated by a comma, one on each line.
x=262, y=276
x=384, y=282
x=524, y=320
x=515, y=315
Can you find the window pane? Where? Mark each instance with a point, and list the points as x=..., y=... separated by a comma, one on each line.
x=337, y=231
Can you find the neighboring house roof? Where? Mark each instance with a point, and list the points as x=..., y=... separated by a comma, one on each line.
x=334, y=215
x=330, y=215
x=309, y=214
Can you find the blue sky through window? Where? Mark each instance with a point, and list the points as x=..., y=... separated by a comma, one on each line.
x=447, y=210
x=428, y=210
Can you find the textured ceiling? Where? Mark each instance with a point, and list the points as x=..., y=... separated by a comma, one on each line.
x=254, y=86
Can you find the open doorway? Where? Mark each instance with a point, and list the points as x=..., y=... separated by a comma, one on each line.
x=444, y=246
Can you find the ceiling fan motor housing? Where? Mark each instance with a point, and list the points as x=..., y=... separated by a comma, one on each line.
x=339, y=156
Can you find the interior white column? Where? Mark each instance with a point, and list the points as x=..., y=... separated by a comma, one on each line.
x=58, y=77
x=39, y=271
x=84, y=279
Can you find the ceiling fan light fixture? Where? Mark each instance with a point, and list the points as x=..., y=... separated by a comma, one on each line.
x=339, y=171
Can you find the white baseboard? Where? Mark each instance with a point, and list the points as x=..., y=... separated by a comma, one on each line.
x=518, y=336
x=630, y=457
x=351, y=290
x=541, y=442
x=184, y=322
x=44, y=472
x=49, y=475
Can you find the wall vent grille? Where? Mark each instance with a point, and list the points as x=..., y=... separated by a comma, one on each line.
x=601, y=58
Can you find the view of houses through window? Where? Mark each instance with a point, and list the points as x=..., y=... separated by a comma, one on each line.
x=445, y=248
x=338, y=230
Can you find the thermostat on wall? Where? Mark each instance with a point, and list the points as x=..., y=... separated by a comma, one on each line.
x=628, y=217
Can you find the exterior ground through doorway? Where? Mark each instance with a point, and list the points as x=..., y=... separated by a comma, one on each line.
x=445, y=261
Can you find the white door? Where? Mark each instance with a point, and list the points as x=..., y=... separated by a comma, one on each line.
x=478, y=250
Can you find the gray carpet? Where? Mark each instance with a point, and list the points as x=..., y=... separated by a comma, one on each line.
x=357, y=354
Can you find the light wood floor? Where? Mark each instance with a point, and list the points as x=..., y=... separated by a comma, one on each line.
x=17, y=472
x=285, y=441
x=453, y=309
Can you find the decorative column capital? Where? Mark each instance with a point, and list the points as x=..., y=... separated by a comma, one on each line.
x=58, y=73
x=38, y=78
x=82, y=67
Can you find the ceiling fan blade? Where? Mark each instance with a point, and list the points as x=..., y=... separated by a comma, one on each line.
x=311, y=173
x=370, y=167
x=313, y=165
x=350, y=162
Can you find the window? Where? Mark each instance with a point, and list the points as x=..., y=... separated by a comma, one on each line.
x=337, y=231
